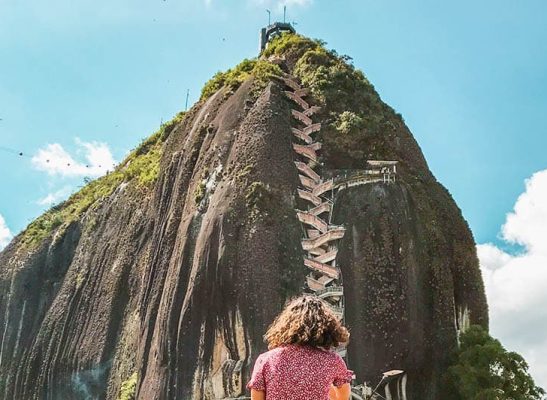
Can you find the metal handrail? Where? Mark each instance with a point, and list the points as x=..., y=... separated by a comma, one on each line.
x=336, y=309
x=330, y=289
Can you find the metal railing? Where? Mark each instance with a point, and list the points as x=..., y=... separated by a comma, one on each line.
x=329, y=290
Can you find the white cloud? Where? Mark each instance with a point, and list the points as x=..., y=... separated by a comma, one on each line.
x=55, y=160
x=516, y=285
x=55, y=197
x=5, y=233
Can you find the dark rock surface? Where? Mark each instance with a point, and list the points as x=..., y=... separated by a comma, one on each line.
x=179, y=281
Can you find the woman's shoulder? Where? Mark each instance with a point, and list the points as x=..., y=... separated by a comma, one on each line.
x=329, y=356
x=294, y=348
x=321, y=352
x=284, y=350
x=267, y=355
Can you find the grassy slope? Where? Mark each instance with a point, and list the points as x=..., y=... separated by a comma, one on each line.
x=140, y=168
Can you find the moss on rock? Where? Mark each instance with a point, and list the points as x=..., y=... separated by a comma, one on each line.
x=261, y=70
x=128, y=388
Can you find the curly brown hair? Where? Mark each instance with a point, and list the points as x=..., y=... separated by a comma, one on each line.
x=306, y=320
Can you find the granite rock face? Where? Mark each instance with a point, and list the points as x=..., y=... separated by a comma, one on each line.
x=178, y=280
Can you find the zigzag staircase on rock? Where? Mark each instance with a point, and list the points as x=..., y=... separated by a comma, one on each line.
x=320, y=239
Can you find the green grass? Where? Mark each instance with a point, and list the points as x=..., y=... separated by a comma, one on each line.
x=242, y=174
x=199, y=193
x=128, y=389
x=261, y=70
x=292, y=45
x=257, y=195
x=140, y=168
x=348, y=122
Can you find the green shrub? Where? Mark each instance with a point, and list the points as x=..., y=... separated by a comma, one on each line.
x=291, y=45
x=334, y=82
x=262, y=71
x=231, y=78
x=199, y=193
x=348, y=122
x=168, y=127
x=128, y=388
x=213, y=85
x=355, y=119
x=484, y=370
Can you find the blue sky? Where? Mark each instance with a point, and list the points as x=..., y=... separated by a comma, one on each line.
x=89, y=78
x=468, y=78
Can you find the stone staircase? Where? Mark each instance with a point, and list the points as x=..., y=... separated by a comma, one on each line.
x=321, y=237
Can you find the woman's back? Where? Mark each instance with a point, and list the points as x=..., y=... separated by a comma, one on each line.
x=296, y=372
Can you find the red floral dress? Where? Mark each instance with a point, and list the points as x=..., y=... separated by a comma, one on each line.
x=295, y=372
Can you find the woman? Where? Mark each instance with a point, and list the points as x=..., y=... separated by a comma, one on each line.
x=300, y=363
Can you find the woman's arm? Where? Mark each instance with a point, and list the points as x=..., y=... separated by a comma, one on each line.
x=340, y=393
x=258, y=395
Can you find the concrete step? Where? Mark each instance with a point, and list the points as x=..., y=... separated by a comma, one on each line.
x=290, y=82
x=314, y=284
x=325, y=280
x=302, y=92
x=322, y=268
x=323, y=187
x=302, y=136
x=302, y=117
x=297, y=99
x=342, y=351
x=327, y=257
x=305, y=169
x=312, y=220
x=308, y=130
x=317, y=251
x=332, y=234
x=357, y=182
x=312, y=233
x=312, y=110
x=308, y=183
x=323, y=207
x=309, y=196
x=307, y=151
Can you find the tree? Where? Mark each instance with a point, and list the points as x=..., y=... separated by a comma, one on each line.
x=484, y=370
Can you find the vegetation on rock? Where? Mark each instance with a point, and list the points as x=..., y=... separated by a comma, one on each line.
x=128, y=389
x=141, y=168
x=199, y=193
x=484, y=370
x=253, y=245
x=348, y=122
x=261, y=70
x=350, y=102
x=292, y=45
x=257, y=196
